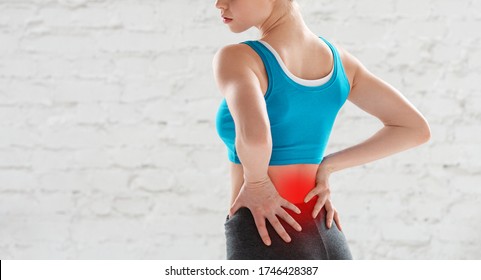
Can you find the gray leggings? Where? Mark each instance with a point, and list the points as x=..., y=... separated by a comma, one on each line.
x=314, y=242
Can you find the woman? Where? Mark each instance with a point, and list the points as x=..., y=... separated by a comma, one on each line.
x=282, y=94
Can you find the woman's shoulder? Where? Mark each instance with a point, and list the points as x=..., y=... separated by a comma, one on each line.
x=235, y=64
x=235, y=59
x=238, y=54
x=349, y=62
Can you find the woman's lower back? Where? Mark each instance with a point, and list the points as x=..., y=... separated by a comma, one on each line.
x=293, y=182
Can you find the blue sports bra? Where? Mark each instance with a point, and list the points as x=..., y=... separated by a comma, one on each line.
x=301, y=112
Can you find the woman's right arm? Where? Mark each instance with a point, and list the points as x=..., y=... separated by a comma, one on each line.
x=241, y=89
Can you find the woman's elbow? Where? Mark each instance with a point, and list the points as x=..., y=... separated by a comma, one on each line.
x=423, y=132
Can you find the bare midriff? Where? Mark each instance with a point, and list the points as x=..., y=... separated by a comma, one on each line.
x=293, y=182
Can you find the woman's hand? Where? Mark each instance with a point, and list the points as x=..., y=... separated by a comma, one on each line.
x=323, y=191
x=264, y=201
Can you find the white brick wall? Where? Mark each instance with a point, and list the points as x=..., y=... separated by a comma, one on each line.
x=108, y=146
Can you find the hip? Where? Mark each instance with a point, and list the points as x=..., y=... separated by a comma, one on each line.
x=315, y=241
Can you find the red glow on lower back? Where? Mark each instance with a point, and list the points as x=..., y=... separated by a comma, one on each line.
x=294, y=187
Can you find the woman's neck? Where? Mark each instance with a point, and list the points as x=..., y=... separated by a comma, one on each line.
x=286, y=24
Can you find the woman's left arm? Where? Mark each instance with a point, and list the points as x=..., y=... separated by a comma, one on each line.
x=404, y=126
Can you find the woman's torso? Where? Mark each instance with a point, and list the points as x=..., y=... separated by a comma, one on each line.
x=292, y=181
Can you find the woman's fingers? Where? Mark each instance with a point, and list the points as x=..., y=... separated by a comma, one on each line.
x=276, y=224
x=317, y=208
x=338, y=222
x=260, y=222
x=291, y=206
x=311, y=194
x=329, y=217
x=290, y=220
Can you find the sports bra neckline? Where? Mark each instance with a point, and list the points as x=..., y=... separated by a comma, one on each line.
x=298, y=80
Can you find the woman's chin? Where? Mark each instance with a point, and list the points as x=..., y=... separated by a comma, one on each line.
x=237, y=30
